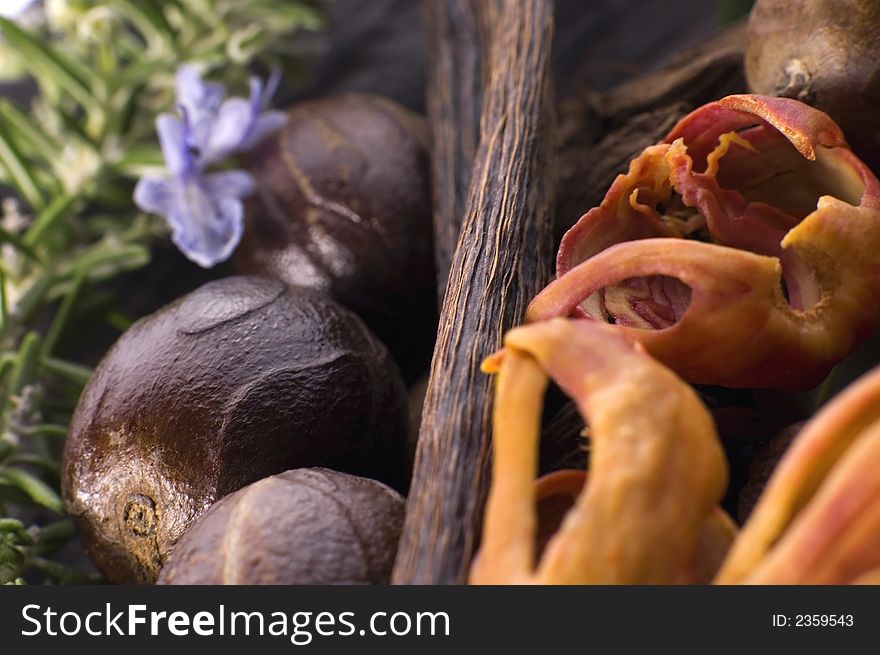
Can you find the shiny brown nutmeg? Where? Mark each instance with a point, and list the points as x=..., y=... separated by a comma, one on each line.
x=343, y=206
x=241, y=379
x=824, y=53
x=307, y=526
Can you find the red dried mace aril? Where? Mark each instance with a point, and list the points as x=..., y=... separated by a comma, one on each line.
x=784, y=288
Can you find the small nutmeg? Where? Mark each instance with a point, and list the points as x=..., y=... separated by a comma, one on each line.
x=343, y=206
x=824, y=53
x=307, y=526
x=241, y=379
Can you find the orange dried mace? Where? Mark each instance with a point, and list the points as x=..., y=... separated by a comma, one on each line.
x=647, y=511
x=818, y=520
x=654, y=465
x=740, y=252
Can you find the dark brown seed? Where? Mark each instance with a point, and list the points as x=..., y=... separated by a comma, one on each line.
x=824, y=53
x=238, y=380
x=343, y=206
x=308, y=526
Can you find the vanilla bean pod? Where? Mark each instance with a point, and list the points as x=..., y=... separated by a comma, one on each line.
x=502, y=259
x=458, y=54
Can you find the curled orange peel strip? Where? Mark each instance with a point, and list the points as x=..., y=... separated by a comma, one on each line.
x=657, y=468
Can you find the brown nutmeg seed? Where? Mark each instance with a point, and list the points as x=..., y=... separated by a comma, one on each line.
x=824, y=53
x=240, y=379
x=343, y=206
x=307, y=526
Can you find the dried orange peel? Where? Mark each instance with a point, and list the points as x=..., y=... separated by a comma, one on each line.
x=782, y=281
x=657, y=469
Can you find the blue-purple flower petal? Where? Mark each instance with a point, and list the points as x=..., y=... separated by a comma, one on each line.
x=229, y=128
x=191, y=90
x=172, y=138
x=233, y=184
x=264, y=125
x=205, y=211
x=200, y=99
x=155, y=195
x=206, y=229
x=271, y=86
x=240, y=124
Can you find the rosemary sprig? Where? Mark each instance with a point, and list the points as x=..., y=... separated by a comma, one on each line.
x=104, y=69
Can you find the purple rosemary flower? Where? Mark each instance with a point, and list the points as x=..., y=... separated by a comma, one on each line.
x=204, y=210
x=221, y=126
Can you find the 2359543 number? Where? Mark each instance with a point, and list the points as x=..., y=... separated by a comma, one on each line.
x=823, y=620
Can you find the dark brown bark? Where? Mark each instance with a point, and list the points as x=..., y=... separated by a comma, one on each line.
x=502, y=259
x=458, y=60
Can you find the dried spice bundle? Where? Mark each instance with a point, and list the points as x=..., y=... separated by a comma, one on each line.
x=502, y=259
x=648, y=512
x=783, y=290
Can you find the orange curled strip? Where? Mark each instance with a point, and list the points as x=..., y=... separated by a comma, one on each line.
x=657, y=469
x=818, y=520
x=741, y=252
